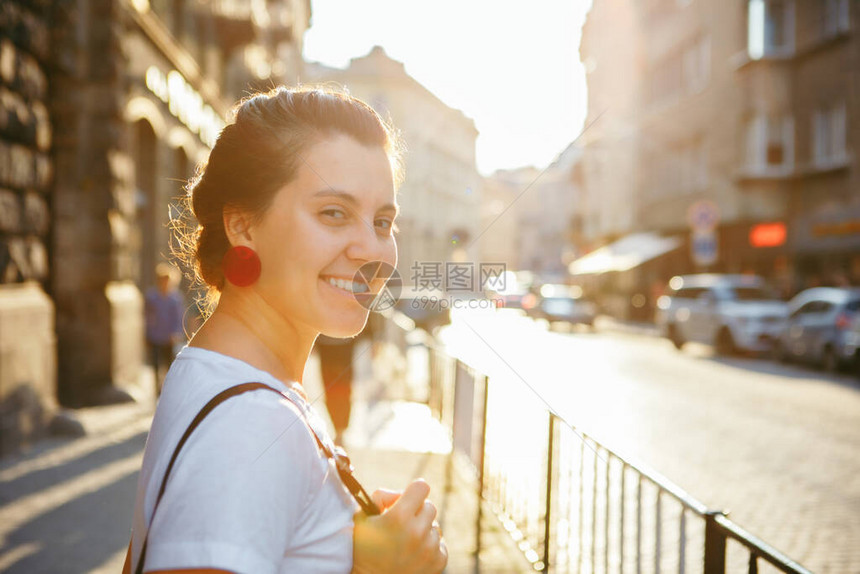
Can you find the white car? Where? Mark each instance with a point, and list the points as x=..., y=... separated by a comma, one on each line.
x=731, y=312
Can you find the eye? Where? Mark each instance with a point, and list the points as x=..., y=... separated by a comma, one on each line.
x=385, y=225
x=334, y=213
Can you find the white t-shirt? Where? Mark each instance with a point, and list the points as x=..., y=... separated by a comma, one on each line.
x=250, y=491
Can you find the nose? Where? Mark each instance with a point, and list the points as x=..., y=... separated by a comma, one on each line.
x=366, y=244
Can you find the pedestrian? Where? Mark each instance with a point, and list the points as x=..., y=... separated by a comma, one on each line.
x=164, y=311
x=335, y=356
x=298, y=193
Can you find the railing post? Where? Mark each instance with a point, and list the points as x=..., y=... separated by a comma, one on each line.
x=715, y=545
x=481, y=466
x=548, y=514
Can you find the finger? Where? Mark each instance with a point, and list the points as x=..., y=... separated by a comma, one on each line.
x=438, y=528
x=384, y=499
x=436, y=551
x=412, y=499
x=426, y=516
x=442, y=556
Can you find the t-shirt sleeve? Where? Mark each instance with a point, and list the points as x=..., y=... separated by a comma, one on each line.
x=237, y=489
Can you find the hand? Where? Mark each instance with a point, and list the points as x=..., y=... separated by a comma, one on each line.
x=404, y=539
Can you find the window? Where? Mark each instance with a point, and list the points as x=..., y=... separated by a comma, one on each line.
x=696, y=68
x=686, y=70
x=752, y=294
x=835, y=17
x=770, y=31
x=691, y=170
x=700, y=166
x=665, y=79
x=828, y=135
x=804, y=309
x=689, y=293
x=770, y=144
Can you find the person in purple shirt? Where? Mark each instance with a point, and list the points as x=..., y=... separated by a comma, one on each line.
x=164, y=310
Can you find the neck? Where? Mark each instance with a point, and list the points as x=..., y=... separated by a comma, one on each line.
x=243, y=326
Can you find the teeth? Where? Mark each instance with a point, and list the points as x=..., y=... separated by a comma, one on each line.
x=348, y=285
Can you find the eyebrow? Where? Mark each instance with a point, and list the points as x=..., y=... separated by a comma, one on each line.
x=351, y=199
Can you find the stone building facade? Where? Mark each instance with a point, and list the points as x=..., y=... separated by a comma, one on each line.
x=124, y=99
x=27, y=341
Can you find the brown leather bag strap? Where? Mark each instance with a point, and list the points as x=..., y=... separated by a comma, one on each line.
x=341, y=460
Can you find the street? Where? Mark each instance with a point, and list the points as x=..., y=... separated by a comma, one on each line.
x=776, y=445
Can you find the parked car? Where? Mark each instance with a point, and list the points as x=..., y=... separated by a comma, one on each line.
x=852, y=344
x=731, y=312
x=428, y=308
x=818, y=327
x=564, y=303
x=511, y=291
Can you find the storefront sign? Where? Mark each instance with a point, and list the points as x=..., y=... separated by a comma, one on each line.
x=185, y=104
x=850, y=227
x=768, y=235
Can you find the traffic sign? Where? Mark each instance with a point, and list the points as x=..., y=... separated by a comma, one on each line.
x=704, y=248
x=703, y=215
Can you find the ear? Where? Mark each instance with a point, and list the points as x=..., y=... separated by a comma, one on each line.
x=237, y=226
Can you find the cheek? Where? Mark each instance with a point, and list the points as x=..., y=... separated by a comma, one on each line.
x=391, y=254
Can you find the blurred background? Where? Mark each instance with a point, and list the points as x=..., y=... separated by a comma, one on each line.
x=636, y=220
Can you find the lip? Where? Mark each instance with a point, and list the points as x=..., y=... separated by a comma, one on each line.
x=358, y=297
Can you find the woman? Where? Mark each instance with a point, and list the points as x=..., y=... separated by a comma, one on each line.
x=335, y=356
x=164, y=313
x=297, y=195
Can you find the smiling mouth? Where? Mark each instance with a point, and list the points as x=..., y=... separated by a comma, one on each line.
x=354, y=287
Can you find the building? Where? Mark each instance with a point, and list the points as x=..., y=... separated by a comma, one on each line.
x=439, y=198
x=738, y=122
x=531, y=216
x=125, y=98
x=610, y=43
x=28, y=361
x=500, y=194
x=801, y=125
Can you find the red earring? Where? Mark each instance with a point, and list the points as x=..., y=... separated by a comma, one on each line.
x=241, y=266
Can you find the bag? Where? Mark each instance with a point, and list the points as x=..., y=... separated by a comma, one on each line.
x=338, y=455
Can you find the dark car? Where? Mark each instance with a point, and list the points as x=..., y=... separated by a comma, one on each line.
x=427, y=308
x=852, y=345
x=819, y=325
x=564, y=303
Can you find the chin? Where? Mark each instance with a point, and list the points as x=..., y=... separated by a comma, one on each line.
x=345, y=327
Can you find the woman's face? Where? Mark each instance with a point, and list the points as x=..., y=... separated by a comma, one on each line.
x=335, y=216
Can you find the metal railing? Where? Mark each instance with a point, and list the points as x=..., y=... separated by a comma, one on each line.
x=569, y=502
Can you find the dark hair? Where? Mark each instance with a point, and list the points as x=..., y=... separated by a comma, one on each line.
x=257, y=154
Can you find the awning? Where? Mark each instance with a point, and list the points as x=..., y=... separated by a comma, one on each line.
x=624, y=254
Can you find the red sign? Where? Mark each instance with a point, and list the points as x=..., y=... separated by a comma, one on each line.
x=768, y=235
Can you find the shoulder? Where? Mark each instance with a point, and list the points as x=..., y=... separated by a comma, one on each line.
x=255, y=439
x=262, y=427
x=251, y=421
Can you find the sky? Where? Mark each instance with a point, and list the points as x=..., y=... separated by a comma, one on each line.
x=511, y=66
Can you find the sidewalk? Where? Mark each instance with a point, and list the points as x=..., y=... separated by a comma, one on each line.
x=66, y=505
x=392, y=441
